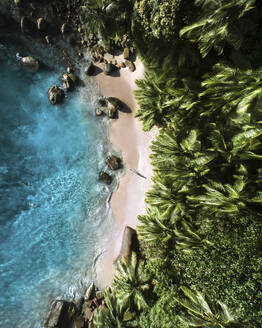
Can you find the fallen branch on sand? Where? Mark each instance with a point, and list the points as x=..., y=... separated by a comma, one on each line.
x=137, y=173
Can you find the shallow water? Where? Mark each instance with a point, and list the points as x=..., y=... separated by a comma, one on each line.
x=53, y=210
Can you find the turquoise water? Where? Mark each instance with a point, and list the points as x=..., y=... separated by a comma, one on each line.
x=53, y=211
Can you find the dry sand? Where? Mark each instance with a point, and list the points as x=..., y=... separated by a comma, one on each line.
x=127, y=136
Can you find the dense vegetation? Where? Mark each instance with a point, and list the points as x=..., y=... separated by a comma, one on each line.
x=201, y=240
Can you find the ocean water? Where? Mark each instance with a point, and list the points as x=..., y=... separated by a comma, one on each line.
x=54, y=217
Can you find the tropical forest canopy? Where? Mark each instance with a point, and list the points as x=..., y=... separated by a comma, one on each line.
x=200, y=262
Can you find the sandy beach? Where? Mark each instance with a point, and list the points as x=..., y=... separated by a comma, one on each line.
x=127, y=136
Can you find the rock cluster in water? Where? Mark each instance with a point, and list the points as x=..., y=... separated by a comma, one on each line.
x=64, y=314
x=54, y=24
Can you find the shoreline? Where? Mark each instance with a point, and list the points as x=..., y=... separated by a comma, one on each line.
x=126, y=136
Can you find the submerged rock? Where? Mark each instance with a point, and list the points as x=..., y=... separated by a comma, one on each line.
x=113, y=162
x=99, y=112
x=70, y=81
x=30, y=63
x=102, y=101
x=56, y=95
x=65, y=28
x=26, y=25
x=60, y=315
x=19, y=3
x=105, y=177
x=41, y=24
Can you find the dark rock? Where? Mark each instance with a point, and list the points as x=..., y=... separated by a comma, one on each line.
x=65, y=28
x=41, y=24
x=73, y=77
x=26, y=25
x=112, y=112
x=79, y=322
x=122, y=65
x=70, y=81
x=105, y=177
x=102, y=101
x=48, y=39
x=89, y=292
x=90, y=69
x=56, y=95
x=126, y=53
x=129, y=243
x=61, y=314
x=114, y=102
x=109, y=68
x=79, y=303
x=99, y=295
x=113, y=162
x=130, y=65
x=30, y=63
x=19, y=3
x=88, y=314
x=99, y=112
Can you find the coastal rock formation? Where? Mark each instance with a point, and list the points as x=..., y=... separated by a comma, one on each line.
x=90, y=290
x=113, y=162
x=114, y=102
x=99, y=112
x=89, y=69
x=26, y=25
x=19, y=3
x=56, y=95
x=70, y=81
x=129, y=244
x=105, y=177
x=130, y=65
x=41, y=24
x=65, y=28
x=30, y=63
x=109, y=68
x=61, y=314
x=126, y=53
x=102, y=101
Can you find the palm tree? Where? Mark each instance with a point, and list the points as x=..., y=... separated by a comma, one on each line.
x=108, y=19
x=237, y=199
x=115, y=314
x=182, y=161
x=236, y=145
x=218, y=25
x=155, y=228
x=203, y=315
x=233, y=89
x=187, y=239
x=166, y=100
x=169, y=197
x=130, y=282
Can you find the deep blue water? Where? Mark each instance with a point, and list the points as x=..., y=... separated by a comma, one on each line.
x=52, y=208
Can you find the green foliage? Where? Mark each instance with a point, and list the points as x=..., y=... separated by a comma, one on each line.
x=201, y=314
x=203, y=226
x=219, y=24
x=131, y=283
x=165, y=100
x=158, y=18
x=232, y=89
x=115, y=314
x=108, y=19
